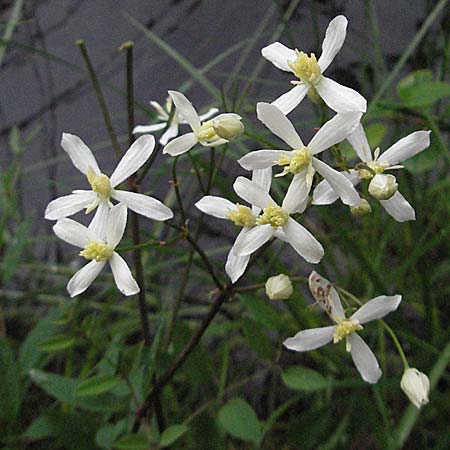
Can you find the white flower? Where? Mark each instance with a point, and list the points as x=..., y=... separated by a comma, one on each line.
x=99, y=248
x=309, y=71
x=103, y=187
x=163, y=114
x=301, y=161
x=273, y=220
x=240, y=215
x=373, y=169
x=416, y=386
x=328, y=298
x=202, y=133
x=279, y=287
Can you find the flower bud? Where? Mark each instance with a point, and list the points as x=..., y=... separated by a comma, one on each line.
x=362, y=209
x=279, y=287
x=383, y=187
x=416, y=386
x=228, y=126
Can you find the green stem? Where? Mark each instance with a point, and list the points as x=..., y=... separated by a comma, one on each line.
x=177, y=190
x=100, y=98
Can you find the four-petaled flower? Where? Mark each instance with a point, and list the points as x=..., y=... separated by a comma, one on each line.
x=301, y=161
x=104, y=187
x=202, y=133
x=345, y=329
x=373, y=168
x=99, y=248
x=309, y=71
x=163, y=114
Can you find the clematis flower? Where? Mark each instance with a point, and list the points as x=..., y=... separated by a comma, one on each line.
x=273, y=220
x=301, y=161
x=345, y=329
x=382, y=186
x=99, y=249
x=416, y=386
x=163, y=114
x=240, y=215
x=309, y=72
x=104, y=187
x=203, y=133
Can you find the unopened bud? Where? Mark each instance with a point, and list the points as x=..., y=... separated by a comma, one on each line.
x=362, y=209
x=228, y=126
x=383, y=187
x=279, y=287
x=416, y=386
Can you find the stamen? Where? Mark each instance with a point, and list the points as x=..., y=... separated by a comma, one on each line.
x=99, y=183
x=273, y=215
x=97, y=250
x=295, y=162
x=344, y=329
x=306, y=68
x=206, y=133
x=243, y=216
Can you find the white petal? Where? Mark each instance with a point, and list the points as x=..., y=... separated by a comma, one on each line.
x=302, y=241
x=84, y=277
x=364, y=359
x=133, y=159
x=159, y=109
x=100, y=220
x=334, y=38
x=122, y=275
x=180, y=144
x=291, y=99
x=247, y=243
x=278, y=124
x=323, y=194
x=143, y=204
x=279, y=55
x=208, y=114
x=377, y=308
x=215, y=206
x=297, y=193
x=407, y=147
x=117, y=221
x=214, y=143
x=74, y=233
x=185, y=109
x=335, y=130
x=149, y=128
x=80, y=154
x=170, y=133
x=68, y=205
x=310, y=339
x=399, y=208
x=261, y=159
x=339, y=182
x=263, y=178
x=358, y=140
x=236, y=265
x=252, y=193
x=340, y=98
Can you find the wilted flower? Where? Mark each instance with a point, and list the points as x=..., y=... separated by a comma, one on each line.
x=99, y=249
x=104, y=187
x=202, y=133
x=279, y=287
x=163, y=114
x=310, y=71
x=301, y=161
x=382, y=186
x=345, y=329
x=416, y=386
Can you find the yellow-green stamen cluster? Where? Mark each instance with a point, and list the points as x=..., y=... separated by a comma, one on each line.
x=206, y=133
x=295, y=162
x=306, y=68
x=370, y=169
x=97, y=250
x=243, y=216
x=273, y=215
x=99, y=183
x=344, y=329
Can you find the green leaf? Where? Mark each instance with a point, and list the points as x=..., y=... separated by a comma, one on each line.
x=304, y=379
x=106, y=435
x=10, y=384
x=132, y=442
x=172, y=433
x=96, y=385
x=56, y=343
x=375, y=133
x=239, y=419
x=263, y=312
x=413, y=79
